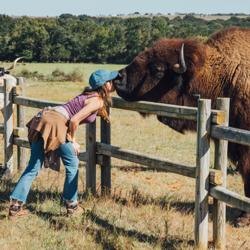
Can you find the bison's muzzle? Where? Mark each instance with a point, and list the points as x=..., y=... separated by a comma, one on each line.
x=120, y=84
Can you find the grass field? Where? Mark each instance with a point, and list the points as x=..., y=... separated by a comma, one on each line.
x=147, y=209
x=48, y=68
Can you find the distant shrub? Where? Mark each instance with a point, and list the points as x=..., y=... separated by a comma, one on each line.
x=32, y=74
x=74, y=76
x=56, y=75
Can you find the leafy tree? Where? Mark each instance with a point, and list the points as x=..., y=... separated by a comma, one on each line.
x=138, y=36
x=84, y=38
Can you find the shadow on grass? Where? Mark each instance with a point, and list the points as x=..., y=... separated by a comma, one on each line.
x=34, y=195
x=107, y=234
x=166, y=243
x=231, y=170
x=6, y=186
x=135, y=168
x=52, y=218
x=134, y=197
x=138, y=199
x=121, y=231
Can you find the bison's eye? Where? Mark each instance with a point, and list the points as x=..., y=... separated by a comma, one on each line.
x=157, y=70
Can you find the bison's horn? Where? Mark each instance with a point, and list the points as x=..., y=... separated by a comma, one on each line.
x=14, y=63
x=183, y=64
x=181, y=68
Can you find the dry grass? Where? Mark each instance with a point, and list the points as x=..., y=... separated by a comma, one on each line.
x=147, y=209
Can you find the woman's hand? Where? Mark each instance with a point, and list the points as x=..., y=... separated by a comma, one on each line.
x=76, y=147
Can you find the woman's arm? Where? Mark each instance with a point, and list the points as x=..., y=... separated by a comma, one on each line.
x=92, y=105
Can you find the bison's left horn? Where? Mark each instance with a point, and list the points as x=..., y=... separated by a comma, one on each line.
x=14, y=63
x=181, y=68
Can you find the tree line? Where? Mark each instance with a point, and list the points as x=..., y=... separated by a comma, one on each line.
x=83, y=38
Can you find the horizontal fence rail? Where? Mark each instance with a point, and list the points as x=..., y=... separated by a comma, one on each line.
x=168, y=110
x=173, y=111
x=20, y=142
x=150, y=161
x=231, y=198
x=34, y=103
x=128, y=155
x=231, y=134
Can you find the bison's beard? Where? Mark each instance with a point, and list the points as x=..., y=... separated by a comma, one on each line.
x=178, y=125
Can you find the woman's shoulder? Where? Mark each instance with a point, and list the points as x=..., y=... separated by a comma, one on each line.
x=93, y=98
x=86, y=95
x=91, y=94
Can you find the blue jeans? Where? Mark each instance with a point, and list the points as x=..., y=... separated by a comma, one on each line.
x=70, y=161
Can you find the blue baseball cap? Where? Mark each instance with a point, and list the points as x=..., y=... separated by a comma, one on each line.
x=99, y=77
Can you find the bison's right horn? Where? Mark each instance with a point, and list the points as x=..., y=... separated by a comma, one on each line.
x=14, y=63
x=180, y=68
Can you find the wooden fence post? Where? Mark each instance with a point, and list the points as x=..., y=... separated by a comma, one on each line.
x=202, y=173
x=8, y=127
x=21, y=155
x=91, y=157
x=220, y=163
x=106, y=160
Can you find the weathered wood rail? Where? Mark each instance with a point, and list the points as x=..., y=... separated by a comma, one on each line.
x=210, y=124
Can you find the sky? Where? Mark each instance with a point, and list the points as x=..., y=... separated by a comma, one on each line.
x=114, y=7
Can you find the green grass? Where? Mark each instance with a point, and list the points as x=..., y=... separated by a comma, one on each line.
x=147, y=209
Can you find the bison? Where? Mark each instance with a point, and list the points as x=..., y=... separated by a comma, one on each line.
x=4, y=74
x=174, y=71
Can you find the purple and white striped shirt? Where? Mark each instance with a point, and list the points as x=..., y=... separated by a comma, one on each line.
x=74, y=105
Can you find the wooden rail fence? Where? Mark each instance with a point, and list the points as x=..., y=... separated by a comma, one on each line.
x=209, y=182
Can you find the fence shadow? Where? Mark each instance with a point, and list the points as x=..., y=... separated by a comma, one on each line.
x=167, y=243
x=142, y=237
x=137, y=199
x=231, y=170
x=106, y=230
x=135, y=168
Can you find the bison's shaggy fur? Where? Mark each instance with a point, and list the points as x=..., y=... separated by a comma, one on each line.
x=220, y=67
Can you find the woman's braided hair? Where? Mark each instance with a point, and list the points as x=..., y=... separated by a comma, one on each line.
x=107, y=100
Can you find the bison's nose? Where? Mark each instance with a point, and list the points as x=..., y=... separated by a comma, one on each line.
x=121, y=80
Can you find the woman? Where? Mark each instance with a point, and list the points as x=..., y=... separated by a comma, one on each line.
x=53, y=130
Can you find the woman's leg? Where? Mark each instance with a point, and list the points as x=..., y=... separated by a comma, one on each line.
x=70, y=161
x=22, y=188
